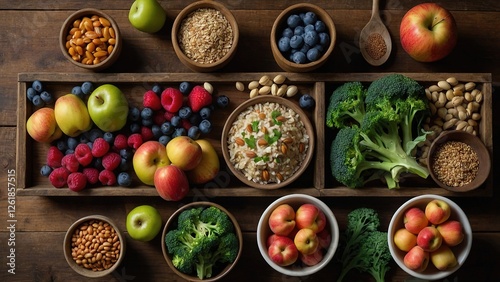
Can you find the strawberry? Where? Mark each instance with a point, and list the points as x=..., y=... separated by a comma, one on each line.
x=171, y=99
x=151, y=100
x=198, y=98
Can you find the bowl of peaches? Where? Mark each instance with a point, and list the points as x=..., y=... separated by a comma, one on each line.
x=297, y=235
x=429, y=237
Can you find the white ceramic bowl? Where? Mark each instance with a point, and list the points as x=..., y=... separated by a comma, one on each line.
x=295, y=200
x=461, y=251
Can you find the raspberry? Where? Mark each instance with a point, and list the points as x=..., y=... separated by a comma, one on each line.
x=107, y=177
x=168, y=115
x=111, y=161
x=100, y=147
x=151, y=100
x=171, y=99
x=159, y=117
x=83, y=154
x=198, y=98
x=146, y=133
x=134, y=141
x=58, y=177
x=70, y=162
x=76, y=181
x=54, y=157
x=120, y=142
x=186, y=124
x=92, y=174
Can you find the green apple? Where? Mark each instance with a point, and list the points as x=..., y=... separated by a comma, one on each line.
x=72, y=115
x=143, y=223
x=108, y=108
x=147, y=15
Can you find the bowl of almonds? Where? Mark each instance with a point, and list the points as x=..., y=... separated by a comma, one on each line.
x=90, y=39
x=268, y=142
x=94, y=246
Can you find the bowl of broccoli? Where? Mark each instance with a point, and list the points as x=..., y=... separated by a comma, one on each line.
x=202, y=241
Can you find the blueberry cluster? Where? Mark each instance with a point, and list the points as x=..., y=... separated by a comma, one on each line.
x=305, y=38
x=83, y=90
x=37, y=95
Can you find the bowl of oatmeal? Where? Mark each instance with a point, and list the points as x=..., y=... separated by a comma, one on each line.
x=205, y=36
x=268, y=142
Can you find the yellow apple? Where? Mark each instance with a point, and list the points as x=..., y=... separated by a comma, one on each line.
x=209, y=165
x=184, y=152
x=72, y=115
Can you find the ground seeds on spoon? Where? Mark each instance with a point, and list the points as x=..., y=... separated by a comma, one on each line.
x=376, y=47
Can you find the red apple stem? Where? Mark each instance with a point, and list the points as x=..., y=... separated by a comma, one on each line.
x=434, y=23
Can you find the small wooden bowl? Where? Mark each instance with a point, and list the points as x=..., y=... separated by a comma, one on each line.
x=259, y=100
x=68, y=252
x=476, y=144
x=279, y=25
x=68, y=25
x=172, y=224
x=196, y=66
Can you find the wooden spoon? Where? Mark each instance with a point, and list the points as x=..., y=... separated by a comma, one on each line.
x=373, y=48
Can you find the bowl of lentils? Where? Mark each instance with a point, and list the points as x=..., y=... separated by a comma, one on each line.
x=302, y=37
x=205, y=36
x=458, y=161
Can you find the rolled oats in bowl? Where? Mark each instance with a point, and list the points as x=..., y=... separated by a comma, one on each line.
x=268, y=142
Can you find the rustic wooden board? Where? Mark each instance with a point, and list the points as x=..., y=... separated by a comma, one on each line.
x=316, y=181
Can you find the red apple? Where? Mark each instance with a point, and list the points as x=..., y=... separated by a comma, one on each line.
x=282, y=220
x=404, y=239
x=270, y=240
x=437, y=211
x=429, y=239
x=313, y=258
x=443, y=258
x=283, y=251
x=452, y=232
x=306, y=240
x=415, y=220
x=325, y=238
x=428, y=32
x=310, y=216
x=42, y=126
x=147, y=158
x=184, y=152
x=416, y=259
x=171, y=183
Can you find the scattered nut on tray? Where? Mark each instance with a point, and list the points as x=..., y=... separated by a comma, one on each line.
x=265, y=86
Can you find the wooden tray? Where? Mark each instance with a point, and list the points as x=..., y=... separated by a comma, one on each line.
x=316, y=181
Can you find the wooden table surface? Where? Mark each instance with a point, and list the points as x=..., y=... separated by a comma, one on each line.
x=29, y=44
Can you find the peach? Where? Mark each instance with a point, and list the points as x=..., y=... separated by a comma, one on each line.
x=452, y=232
x=416, y=259
x=404, y=239
x=415, y=220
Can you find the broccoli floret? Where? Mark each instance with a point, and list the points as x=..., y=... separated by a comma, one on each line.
x=346, y=105
x=375, y=255
x=225, y=252
x=215, y=220
x=361, y=222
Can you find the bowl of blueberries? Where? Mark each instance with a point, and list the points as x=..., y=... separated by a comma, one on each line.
x=302, y=38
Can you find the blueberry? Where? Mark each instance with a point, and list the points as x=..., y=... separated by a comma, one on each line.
x=205, y=113
x=195, y=119
x=293, y=20
x=127, y=153
x=306, y=101
x=72, y=142
x=176, y=121
x=310, y=18
x=37, y=101
x=205, y=126
x=185, y=87
x=46, y=97
x=61, y=145
x=320, y=48
x=164, y=139
x=156, y=131
x=185, y=112
x=37, y=85
x=95, y=133
x=87, y=87
x=134, y=114
x=299, y=30
x=77, y=90
x=167, y=128
x=296, y=41
x=222, y=101
x=90, y=144
x=135, y=127
x=194, y=132
x=83, y=138
x=284, y=44
x=311, y=38
x=305, y=48
x=319, y=26
x=124, y=179
x=147, y=113
x=308, y=27
x=97, y=163
x=30, y=93
x=180, y=131
x=324, y=39
x=109, y=137
x=45, y=170
x=299, y=58
x=69, y=151
x=124, y=165
x=157, y=89
x=287, y=32
x=147, y=122
x=313, y=54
